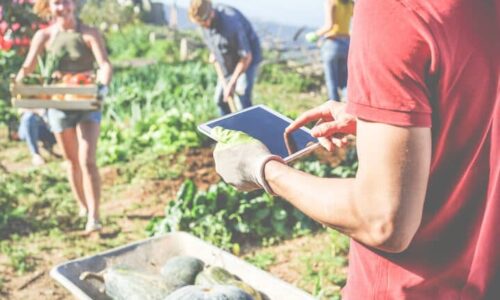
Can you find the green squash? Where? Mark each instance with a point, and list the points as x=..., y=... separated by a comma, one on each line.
x=216, y=292
x=219, y=276
x=180, y=271
x=124, y=283
x=247, y=288
x=213, y=275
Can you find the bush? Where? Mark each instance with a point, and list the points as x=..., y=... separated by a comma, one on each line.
x=283, y=75
x=107, y=14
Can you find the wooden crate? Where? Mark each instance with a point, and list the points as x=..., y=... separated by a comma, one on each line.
x=60, y=96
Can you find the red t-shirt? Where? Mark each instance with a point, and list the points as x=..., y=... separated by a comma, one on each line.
x=434, y=64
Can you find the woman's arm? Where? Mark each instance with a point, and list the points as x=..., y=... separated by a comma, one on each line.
x=96, y=43
x=329, y=8
x=36, y=48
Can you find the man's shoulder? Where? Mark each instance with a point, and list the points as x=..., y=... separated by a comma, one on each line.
x=227, y=11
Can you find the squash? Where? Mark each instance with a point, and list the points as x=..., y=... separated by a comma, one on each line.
x=124, y=283
x=247, y=288
x=216, y=292
x=214, y=275
x=179, y=271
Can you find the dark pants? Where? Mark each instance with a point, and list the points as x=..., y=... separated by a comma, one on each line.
x=32, y=129
x=243, y=91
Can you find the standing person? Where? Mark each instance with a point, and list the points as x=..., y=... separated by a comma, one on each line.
x=76, y=132
x=32, y=129
x=234, y=47
x=335, y=46
x=423, y=211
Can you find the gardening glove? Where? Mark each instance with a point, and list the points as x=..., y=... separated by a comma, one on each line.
x=240, y=159
x=312, y=37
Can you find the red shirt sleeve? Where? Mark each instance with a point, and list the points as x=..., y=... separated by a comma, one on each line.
x=389, y=62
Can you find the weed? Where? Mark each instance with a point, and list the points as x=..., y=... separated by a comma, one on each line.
x=262, y=260
x=19, y=258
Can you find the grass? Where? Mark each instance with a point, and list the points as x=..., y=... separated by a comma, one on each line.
x=317, y=263
x=262, y=260
x=324, y=268
x=20, y=259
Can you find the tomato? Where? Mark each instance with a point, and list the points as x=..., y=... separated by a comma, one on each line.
x=67, y=78
x=81, y=78
x=77, y=78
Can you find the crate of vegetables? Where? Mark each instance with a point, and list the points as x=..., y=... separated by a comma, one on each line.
x=69, y=91
x=173, y=266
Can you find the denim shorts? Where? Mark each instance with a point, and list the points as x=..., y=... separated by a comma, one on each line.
x=59, y=120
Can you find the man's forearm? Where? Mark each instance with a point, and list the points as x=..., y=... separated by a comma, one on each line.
x=337, y=203
x=240, y=68
x=326, y=200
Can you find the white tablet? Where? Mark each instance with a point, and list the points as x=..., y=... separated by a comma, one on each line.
x=267, y=126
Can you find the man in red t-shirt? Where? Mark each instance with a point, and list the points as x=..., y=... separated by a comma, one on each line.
x=424, y=209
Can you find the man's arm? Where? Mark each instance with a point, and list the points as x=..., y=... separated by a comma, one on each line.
x=240, y=68
x=382, y=206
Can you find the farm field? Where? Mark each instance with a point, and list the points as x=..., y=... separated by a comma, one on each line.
x=155, y=165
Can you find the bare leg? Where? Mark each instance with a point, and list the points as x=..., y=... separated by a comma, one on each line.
x=68, y=142
x=88, y=135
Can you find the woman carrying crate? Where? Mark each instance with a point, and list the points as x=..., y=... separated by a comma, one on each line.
x=79, y=48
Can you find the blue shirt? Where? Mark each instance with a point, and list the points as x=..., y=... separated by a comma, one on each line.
x=230, y=38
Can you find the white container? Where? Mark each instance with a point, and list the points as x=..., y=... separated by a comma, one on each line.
x=151, y=254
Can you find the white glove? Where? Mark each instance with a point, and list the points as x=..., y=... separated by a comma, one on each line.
x=240, y=159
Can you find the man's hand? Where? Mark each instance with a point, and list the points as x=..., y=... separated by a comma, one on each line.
x=229, y=91
x=240, y=159
x=333, y=124
x=312, y=37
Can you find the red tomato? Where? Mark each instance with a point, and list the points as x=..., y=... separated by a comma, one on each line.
x=67, y=78
x=81, y=78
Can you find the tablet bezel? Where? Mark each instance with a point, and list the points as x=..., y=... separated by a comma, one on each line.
x=205, y=129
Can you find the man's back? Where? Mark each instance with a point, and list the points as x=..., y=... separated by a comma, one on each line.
x=231, y=37
x=434, y=64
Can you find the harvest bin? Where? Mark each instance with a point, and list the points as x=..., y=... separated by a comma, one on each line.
x=60, y=96
x=152, y=253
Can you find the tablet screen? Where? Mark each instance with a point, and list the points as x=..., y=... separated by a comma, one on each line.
x=268, y=127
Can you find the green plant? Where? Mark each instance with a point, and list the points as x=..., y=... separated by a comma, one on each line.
x=262, y=260
x=37, y=200
x=19, y=258
x=49, y=64
x=10, y=210
x=280, y=74
x=106, y=14
x=325, y=268
x=225, y=217
x=10, y=62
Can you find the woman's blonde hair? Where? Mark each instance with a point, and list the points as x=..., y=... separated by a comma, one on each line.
x=200, y=10
x=42, y=8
